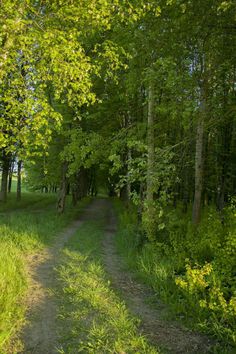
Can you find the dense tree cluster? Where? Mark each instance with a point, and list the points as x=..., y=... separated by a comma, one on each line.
x=135, y=97
x=142, y=93
x=147, y=88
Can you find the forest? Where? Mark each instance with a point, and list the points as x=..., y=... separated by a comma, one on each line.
x=123, y=114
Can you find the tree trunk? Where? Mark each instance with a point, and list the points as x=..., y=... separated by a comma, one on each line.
x=128, y=186
x=18, y=190
x=11, y=170
x=5, y=172
x=198, y=173
x=224, y=159
x=149, y=217
x=74, y=196
x=63, y=189
x=185, y=191
x=83, y=183
x=75, y=188
x=92, y=189
x=140, y=206
x=199, y=159
x=150, y=144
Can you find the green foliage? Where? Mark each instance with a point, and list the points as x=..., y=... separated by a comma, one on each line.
x=41, y=54
x=74, y=79
x=83, y=149
x=190, y=269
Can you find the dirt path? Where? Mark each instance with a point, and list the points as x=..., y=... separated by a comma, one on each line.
x=171, y=336
x=40, y=333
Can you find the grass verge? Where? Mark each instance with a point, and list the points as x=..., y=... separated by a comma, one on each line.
x=23, y=233
x=182, y=275
x=93, y=319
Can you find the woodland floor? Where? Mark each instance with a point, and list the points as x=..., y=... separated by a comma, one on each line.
x=40, y=334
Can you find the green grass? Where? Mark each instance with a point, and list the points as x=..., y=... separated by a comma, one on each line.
x=23, y=233
x=176, y=269
x=93, y=319
x=12, y=288
x=29, y=201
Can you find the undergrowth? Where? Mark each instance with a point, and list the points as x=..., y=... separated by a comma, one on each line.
x=23, y=232
x=191, y=269
x=93, y=318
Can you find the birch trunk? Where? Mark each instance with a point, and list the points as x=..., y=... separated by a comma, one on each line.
x=150, y=144
x=18, y=190
x=199, y=159
x=63, y=189
x=5, y=172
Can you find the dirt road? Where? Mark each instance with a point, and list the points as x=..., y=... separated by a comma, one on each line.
x=40, y=332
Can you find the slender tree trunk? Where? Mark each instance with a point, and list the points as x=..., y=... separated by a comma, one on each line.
x=185, y=190
x=75, y=188
x=74, y=196
x=9, y=182
x=140, y=206
x=5, y=172
x=198, y=173
x=128, y=186
x=224, y=154
x=94, y=183
x=19, y=184
x=11, y=169
x=149, y=216
x=83, y=183
x=150, y=144
x=129, y=161
x=63, y=189
x=199, y=159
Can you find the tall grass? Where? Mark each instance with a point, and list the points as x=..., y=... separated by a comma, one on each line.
x=12, y=288
x=23, y=232
x=193, y=270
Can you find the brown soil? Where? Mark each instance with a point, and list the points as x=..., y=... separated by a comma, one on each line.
x=170, y=336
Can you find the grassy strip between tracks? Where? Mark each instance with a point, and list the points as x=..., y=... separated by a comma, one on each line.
x=93, y=319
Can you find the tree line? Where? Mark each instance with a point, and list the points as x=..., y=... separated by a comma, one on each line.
x=139, y=97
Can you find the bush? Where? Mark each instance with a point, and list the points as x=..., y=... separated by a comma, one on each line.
x=193, y=269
